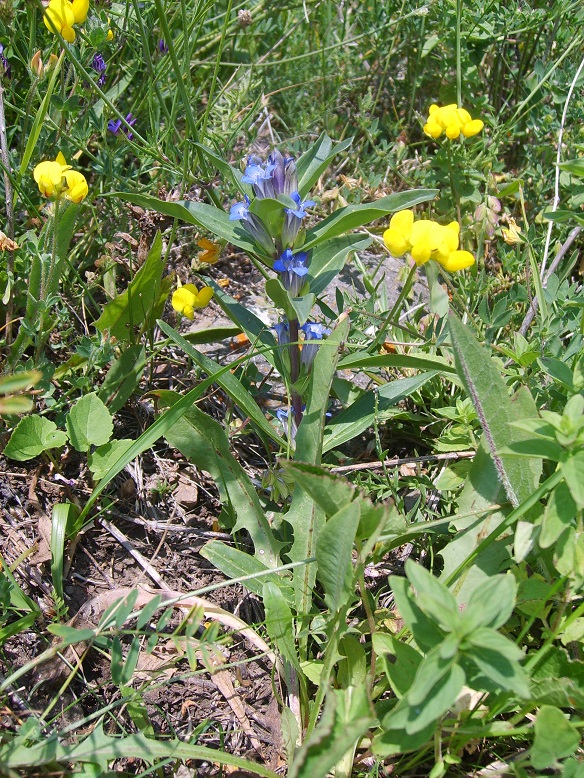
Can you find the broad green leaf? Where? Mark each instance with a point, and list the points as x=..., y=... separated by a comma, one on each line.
x=328, y=491
x=329, y=258
x=202, y=441
x=303, y=307
x=531, y=448
x=13, y=406
x=98, y=746
x=89, y=423
x=102, y=459
x=573, y=472
x=353, y=670
x=565, y=216
x=397, y=741
x=271, y=212
x=200, y=214
x=554, y=738
x=280, y=297
x=431, y=669
x=495, y=410
x=361, y=414
x=573, y=166
x=560, y=512
x=425, y=632
x=498, y=658
x=10, y=384
x=401, y=669
x=228, y=382
x=280, y=623
x=433, y=597
x=234, y=563
x=137, y=307
x=123, y=377
x=365, y=361
x=339, y=729
x=314, y=162
x=32, y=436
x=491, y=605
x=70, y=635
x=334, y=549
x=304, y=516
x=353, y=216
x=439, y=699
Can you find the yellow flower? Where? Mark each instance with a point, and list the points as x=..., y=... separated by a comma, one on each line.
x=49, y=176
x=59, y=17
x=452, y=121
x=512, y=235
x=58, y=179
x=210, y=253
x=76, y=186
x=426, y=239
x=186, y=298
x=80, y=10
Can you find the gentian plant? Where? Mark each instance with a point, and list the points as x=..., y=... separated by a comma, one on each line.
x=270, y=223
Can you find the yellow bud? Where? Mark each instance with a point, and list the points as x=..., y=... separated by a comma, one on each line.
x=36, y=64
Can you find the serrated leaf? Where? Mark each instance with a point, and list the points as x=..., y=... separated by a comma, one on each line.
x=89, y=423
x=33, y=435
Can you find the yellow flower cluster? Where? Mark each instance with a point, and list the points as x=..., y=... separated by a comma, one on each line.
x=58, y=179
x=61, y=15
x=451, y=120
x=424, y=240
x=186, y=298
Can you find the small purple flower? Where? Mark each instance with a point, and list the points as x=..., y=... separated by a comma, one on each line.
x=240, y=210
x=5, y=68
x=98, y=64
x=115, y=125
x=284, y=176
x=293, y=268
x=286, y=418
x=313, y=331
x=162, y=47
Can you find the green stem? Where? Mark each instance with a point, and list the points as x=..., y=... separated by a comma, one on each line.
x=295, y=368
x=46, y=283
x=453, y=181
x=458, y=54
x=398, y=303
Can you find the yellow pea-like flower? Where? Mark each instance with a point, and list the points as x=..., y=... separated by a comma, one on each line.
x=80, y=10
x=59, y=17
x=210, y=253
x=76, y=186
x=457, y=260
x=452, y=121
x=187, y=298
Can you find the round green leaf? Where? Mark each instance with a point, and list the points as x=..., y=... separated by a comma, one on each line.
x=89, y=423
x=32, y=436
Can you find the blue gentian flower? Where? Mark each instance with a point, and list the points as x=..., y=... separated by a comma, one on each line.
x=259, y=175
x=313, y=331
x=293, y=219
x=293, y=268
x=286, y=418
x=284, y=176
x=282, y=332
x=252, y=224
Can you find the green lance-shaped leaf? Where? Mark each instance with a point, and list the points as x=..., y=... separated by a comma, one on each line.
x=203, y=441
x=123, y=377
x=305, y=517
x=313, y=163
x=89, y=423
x=328, y=259
x=200, y=214
x=228, y=382
x=495, y=410
x=142, y=301
x=353, y=216
x=32, y=436
x=334, y=549
x=280, y=624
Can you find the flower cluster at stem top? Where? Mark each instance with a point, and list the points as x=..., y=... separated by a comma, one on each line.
x=57, y=179
x=61, y=15
x=272, y=179
x=452, y=121
x=426, y=239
